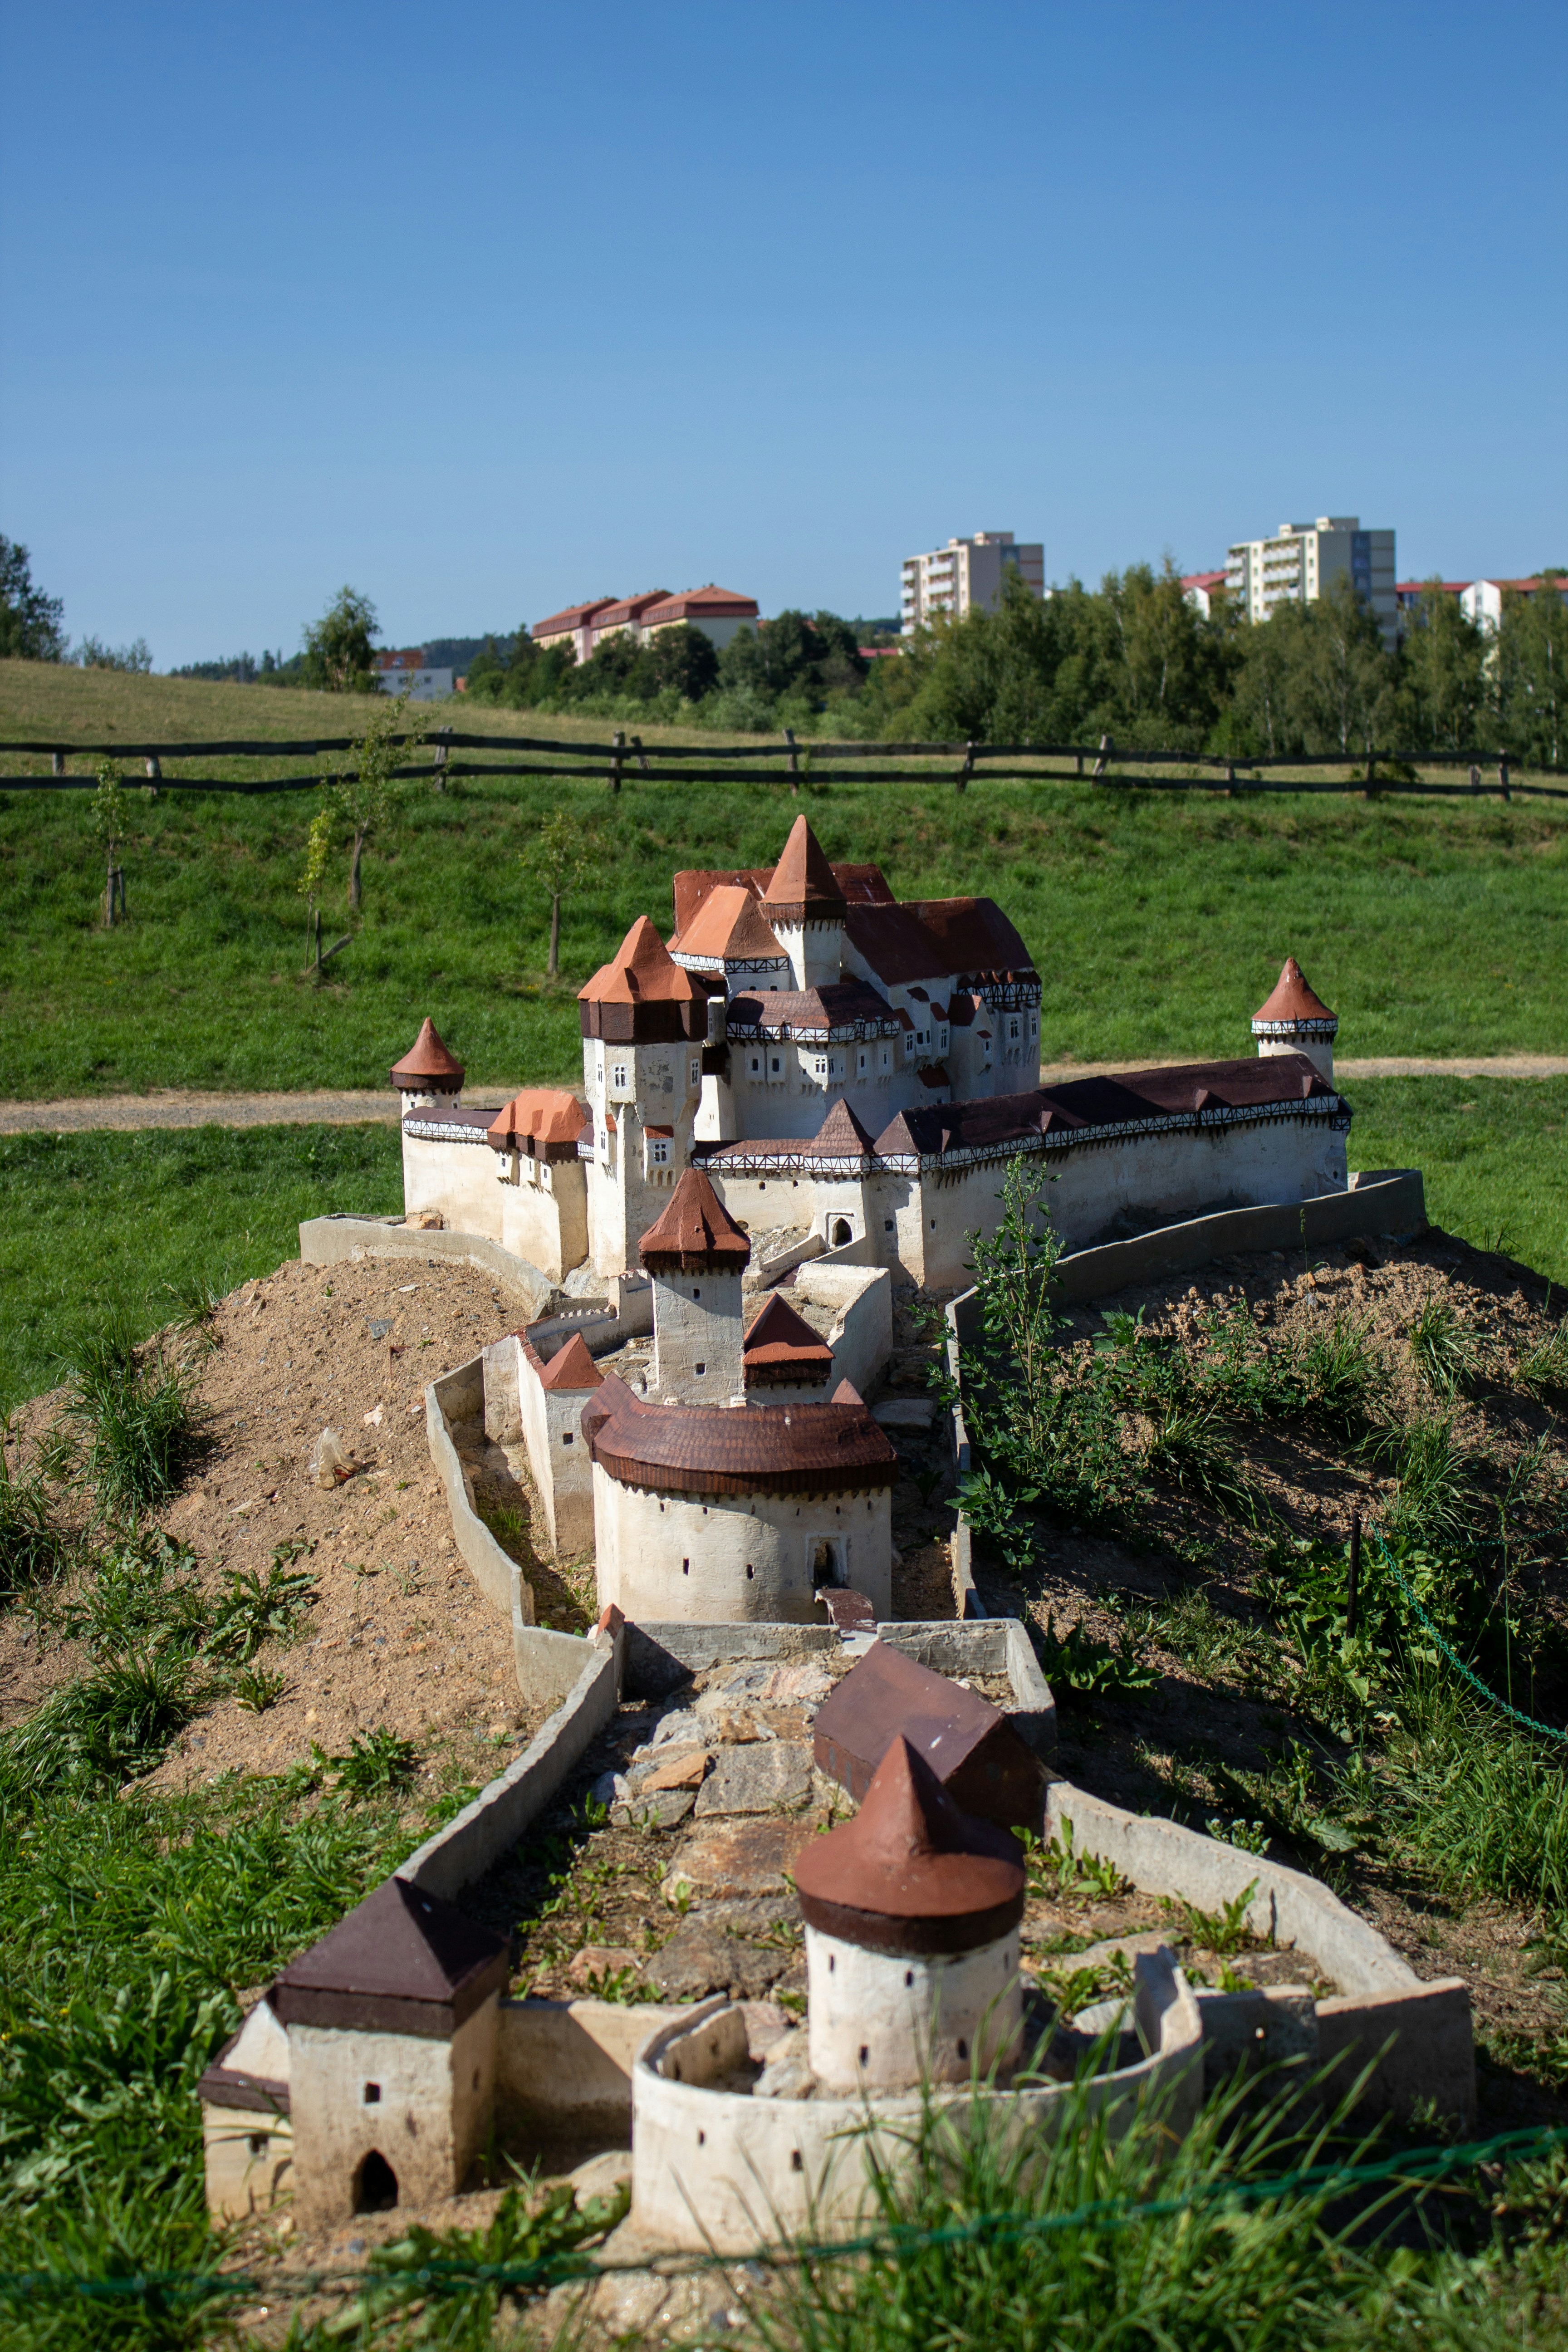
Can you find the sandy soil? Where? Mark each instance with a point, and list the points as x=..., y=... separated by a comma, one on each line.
x=398, y=1634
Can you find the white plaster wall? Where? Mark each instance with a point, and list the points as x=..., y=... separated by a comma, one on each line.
x=686, y=1556
x=1174, y=1175
x=1318, y=1051
x=432, y=2117
x=887, y=2022
x=458, y=1179
x=655, y=1088
x=248, y=2159
x=544, y=1215
x=861, y=1335
x=697, y=1320
x=562, y=1472
x=762, y=1203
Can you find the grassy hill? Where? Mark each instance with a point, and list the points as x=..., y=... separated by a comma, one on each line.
x=1158, y=921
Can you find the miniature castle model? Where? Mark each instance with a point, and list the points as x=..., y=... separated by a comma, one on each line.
x=838, y=1063
x=708, y=1506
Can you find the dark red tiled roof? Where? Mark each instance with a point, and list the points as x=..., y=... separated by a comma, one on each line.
x=402, y=1961
x=972, y=935
x=935, y=1074
x=630, y=608
x=709, y=603
x=790, y=1449
x=781, y=1346
x=911, y=1872
x=427, y=1062
x=695, y=1232
x=558, y=624
x=1292, y=1004
x=835, y=1009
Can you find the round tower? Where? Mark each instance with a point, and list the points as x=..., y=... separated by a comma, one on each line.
x=429, y=1078
x=804, y=909
x=911, y=1915
x=1295, y=1020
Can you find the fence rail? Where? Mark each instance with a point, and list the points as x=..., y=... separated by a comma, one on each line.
x=696, y=763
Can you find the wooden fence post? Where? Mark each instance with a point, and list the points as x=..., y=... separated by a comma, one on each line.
x=961, y=781
x=57, y=763
x=1371, y=777
x=616, y=757
x=1230, y=777
x=793, y=760
x=1502, y=776
x=642, y=755
x=443, y=742
x=1106, y=748
x=155, y=775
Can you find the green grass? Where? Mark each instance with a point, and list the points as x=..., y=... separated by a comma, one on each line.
x=1158, y=922
x=131, y=1222
x=1494, y=1152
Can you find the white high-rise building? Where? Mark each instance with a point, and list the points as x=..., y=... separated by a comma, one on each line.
x=1302, y=561
x=966, y=576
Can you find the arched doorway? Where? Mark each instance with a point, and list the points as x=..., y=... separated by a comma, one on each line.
x=843, y=1232
x=376, y=2185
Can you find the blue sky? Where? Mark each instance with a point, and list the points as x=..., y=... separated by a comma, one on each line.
x=488, y=308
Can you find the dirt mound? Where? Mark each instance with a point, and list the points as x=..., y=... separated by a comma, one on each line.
x=398, y=1634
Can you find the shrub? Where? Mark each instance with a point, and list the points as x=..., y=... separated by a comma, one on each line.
x=1077, y=1662
x=258, y=1607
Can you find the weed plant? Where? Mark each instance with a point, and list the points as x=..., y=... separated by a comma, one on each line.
x=1544, y=1370
x=128, y=1427
x=35, y=1549
x=1075, y=1661
x=1446, y=1349
x=1265, y=2276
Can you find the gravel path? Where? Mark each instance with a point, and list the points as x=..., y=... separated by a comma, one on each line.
x=174, y=1108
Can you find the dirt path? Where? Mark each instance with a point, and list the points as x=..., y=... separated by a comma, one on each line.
x=345, y=1107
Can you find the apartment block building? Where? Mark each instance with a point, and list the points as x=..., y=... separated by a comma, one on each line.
x=1301, y=561
x=1481, y=601
x=966, y=576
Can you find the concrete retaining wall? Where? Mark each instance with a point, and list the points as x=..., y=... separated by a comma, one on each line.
x=468, y=1844
x=548, y=1663
x=339, y=1241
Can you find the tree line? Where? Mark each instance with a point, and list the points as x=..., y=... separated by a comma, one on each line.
x=1131, y=659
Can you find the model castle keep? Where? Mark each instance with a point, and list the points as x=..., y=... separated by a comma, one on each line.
x=836, y=1063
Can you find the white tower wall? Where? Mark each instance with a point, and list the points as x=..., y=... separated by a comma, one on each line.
x=889, y=2020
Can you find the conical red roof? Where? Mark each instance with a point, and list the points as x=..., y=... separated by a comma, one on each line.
x=427, y=1063
x=1293, y=1005
x=912, y=1872
x=803, y=881
x=696, y=1230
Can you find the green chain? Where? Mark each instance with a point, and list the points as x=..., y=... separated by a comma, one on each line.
x=1546, y=1731
x=158, y=2287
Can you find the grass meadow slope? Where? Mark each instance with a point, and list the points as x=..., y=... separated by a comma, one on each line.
x=1158, y=920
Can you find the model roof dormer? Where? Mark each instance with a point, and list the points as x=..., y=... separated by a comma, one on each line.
x=729, y=934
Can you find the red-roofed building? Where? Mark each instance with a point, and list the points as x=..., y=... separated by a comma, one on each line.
x=1202, y=591
x=573, y=627
x=720, y=613
x=1485, y=601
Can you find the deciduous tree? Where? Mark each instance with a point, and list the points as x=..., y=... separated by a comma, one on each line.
x=29, y=621
x=339, y=656
x=561, y=857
